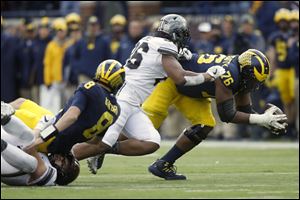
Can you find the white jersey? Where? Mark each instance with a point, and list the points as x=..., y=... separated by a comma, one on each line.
x=144, y=68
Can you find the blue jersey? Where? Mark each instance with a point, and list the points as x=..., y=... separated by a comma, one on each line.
x=99, y=109
x=279, y=41
x=200, y=63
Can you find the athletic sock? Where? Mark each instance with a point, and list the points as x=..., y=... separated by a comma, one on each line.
x=114, y=149
x=173, y=154
x=18, y=129
x=19, y=159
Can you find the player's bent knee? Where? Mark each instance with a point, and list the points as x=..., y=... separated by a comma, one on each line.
x=197, y=133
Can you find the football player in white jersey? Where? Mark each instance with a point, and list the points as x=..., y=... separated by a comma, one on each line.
x=153, y=59
x=20, y=168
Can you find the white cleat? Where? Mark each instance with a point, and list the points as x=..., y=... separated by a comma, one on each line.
x=6, y=110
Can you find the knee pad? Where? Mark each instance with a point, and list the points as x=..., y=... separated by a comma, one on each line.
x=197, y=133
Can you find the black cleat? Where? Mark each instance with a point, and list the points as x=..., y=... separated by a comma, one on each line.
x=166, y=170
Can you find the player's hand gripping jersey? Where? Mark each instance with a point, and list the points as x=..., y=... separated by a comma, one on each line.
x=200, y=63
x=144, y=68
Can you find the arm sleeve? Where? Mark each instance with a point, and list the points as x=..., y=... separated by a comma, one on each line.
x=79, y=100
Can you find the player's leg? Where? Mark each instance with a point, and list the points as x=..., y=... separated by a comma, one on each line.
x=30, y=112
x=143, y=138
x=17, y=158
x=19, y=130
x=198, y=111
x=157, y=104
x=285, y=82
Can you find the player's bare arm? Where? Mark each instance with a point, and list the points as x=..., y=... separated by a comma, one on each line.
x=226, y=107
x=68, y=118
x=183, y=77
x=228, y=112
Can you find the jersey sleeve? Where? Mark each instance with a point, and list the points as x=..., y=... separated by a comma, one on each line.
x=79, y=100
x=167, y=48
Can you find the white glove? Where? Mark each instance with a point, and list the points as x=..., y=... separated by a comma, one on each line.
x=44, y=122
x=6, y=110
x=269, y=120
x=216, y=71
x=278, y=111
x=185, y=53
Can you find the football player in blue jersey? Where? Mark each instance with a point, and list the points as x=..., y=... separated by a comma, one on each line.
x=283, y=72
x=89, y=113
x=244, y=73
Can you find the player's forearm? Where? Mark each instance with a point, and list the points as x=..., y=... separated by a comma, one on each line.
x=205, y=75
x=65, y=121
x=241, y=118
x=84, y=150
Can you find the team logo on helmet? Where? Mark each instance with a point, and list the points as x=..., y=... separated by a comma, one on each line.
x=254, y=69
x=111, y=74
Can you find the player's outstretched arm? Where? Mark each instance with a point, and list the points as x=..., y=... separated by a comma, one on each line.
x=180, y=76
x=228, y=112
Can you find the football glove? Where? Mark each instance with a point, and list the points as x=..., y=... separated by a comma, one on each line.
x=269, y=119
x=44, y=122
x=185, y=54
x=216, y=71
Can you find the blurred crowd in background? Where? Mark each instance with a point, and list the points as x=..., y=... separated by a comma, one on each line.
x=49, y=47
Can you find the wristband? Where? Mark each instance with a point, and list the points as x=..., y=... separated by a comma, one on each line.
x=49, y=132
x=194, y=80
x=256, y=119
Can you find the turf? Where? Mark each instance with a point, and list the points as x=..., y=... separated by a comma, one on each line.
x=214, y=170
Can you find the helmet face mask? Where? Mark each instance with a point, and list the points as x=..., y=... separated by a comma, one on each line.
x=175, y=27
x=67, y=167
x=111, y=74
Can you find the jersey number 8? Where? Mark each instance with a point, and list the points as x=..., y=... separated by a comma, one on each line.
x=103, y=123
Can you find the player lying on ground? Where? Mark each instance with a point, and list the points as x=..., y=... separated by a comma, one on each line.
x=153, y=59
x=27, y=167
x=244, y=73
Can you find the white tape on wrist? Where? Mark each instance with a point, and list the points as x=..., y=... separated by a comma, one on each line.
x=194, y=80
x=256, y=119
x=48, y=132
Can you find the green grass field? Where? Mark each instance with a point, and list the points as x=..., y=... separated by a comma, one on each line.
x=214, y=170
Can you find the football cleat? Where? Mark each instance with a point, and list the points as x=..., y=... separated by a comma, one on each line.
x=95, y=163
x=6, y=111
x=166, y=170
